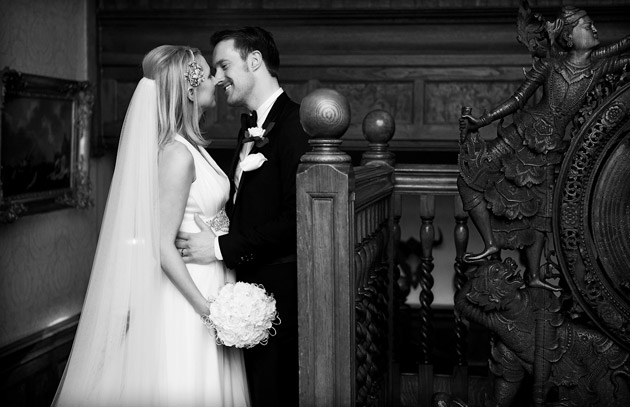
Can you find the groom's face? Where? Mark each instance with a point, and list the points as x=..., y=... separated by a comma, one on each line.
x=232, y=73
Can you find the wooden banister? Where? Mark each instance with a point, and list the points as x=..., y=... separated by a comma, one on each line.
x=427, y=182
x=348, y=233
x=372, y=184
x=426, y=179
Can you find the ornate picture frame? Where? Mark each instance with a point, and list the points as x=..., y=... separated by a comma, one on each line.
x=45, y=126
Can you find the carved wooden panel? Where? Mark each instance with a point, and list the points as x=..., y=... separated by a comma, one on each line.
x=155, y=4
x=325, y=286
x=334, y=4
x=443, y=100
x=393, y=97
x=419, y=60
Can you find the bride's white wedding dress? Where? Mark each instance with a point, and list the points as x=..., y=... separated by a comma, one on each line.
x=200, y=372
x=139, y=343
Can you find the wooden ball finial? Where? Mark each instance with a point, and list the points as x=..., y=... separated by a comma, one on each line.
x=379, y=126
x=325, y=113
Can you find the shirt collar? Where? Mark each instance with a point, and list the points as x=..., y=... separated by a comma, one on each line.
x=265, y=108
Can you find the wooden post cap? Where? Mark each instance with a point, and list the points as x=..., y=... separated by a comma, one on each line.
x=378, y=126
x=325, y=113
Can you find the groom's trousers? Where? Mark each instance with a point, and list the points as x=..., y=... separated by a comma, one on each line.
x=272, y=369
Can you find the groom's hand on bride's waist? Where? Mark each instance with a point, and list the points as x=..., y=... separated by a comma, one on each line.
x=197, y=248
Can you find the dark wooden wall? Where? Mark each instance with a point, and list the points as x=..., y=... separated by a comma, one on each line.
x=419, y=60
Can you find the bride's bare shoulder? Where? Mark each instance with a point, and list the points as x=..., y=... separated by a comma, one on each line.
x=175, y=155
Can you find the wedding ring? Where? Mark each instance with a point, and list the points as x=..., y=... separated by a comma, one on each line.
x=181, y=251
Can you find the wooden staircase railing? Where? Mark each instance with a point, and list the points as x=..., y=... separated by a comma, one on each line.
x=348, y=232
x=427, y=182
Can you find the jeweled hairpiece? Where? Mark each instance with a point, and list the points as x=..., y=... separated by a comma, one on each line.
x=194, y=73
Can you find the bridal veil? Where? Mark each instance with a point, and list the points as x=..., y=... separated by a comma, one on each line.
x=113, y=360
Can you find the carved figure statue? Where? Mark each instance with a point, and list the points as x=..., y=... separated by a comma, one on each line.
x=582, y=366
x=506, y=183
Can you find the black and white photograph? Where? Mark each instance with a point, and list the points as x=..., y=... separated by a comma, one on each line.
x=315, y=203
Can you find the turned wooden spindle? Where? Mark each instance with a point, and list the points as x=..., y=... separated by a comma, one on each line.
x=378, y=128
x=325, y=116
x=427, y=237
x=459, y=384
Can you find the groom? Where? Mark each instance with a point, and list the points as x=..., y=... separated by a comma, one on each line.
x=261, y=244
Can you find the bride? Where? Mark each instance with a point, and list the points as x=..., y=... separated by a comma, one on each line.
x=140, y=340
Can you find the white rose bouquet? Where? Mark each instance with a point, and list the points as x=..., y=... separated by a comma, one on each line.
x=242, y=315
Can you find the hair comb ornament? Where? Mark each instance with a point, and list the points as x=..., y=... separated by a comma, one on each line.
x=194, y=73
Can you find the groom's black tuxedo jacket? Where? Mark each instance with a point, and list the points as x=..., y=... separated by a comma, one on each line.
x=261, y=248
x=263, y=218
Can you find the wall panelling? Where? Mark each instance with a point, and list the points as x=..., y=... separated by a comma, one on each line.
x=420, y=60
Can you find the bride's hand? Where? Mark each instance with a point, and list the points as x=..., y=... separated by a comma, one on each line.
x=197, y=248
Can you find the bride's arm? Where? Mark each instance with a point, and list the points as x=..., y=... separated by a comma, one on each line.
x=176, y=172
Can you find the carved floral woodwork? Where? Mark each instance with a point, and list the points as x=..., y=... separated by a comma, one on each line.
x=592, y=204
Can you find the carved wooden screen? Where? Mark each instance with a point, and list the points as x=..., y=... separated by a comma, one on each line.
x=592, y=231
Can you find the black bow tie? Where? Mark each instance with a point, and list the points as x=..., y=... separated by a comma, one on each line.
x=249, y=120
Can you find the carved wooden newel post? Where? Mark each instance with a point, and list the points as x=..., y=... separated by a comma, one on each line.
x=325, y=195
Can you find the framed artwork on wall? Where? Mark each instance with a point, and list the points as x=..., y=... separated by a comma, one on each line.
x=44, y=144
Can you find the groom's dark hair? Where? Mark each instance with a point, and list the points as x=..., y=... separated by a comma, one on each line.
x=249, y=39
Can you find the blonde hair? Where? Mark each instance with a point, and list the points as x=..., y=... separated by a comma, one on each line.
x=166, y=65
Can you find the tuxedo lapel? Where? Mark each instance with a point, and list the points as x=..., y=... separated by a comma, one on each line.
x=273, y=116
x=235, y=157
x=277, y=107
x=237, y=151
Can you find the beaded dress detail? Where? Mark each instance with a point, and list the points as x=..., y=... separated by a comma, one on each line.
x=220, y=223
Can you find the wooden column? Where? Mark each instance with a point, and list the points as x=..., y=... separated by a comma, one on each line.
x=325, y=199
